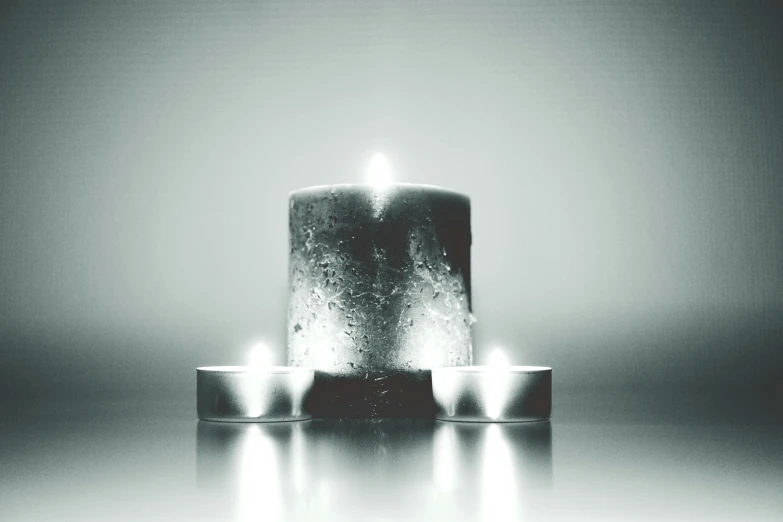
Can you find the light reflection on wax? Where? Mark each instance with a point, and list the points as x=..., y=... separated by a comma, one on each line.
x=495, y=389
x=255, y=390
x=379, y=176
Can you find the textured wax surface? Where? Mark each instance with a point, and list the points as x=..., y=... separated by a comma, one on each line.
x=379, y=281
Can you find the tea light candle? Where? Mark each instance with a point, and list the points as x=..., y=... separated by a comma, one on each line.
x=253, y=393
x=494, y=393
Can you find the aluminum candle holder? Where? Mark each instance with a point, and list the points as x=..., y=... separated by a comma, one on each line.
x=379, y=294
x=249, y=394
x=493, y=393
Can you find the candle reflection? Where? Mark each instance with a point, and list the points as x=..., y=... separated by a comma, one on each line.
x=259, y=491
x=250, y=471
x=497, y=461
x=313, y=470
x=500, y=497
x=446, y=470
x=384, y=459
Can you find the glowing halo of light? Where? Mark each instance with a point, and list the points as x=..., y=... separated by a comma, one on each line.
x=259, y=355
x=497, y=358
x=379, y=172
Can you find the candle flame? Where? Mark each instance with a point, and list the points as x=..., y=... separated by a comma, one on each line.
x=259, y=355
x=497, y=358
x=379, y=173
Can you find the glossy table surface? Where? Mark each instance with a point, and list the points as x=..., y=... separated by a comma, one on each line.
x=653, y=459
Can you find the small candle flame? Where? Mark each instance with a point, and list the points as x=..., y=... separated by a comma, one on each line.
x=259, y=355
x=379, y=173
x=497, y=358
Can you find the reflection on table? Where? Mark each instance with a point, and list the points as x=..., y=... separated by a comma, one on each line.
x=346, y=468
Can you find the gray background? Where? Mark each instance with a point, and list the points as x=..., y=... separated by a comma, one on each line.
x=623, y=159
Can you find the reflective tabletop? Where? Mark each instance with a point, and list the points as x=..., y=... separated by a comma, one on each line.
x=609, y=461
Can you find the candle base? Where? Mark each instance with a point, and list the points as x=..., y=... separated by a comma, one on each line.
x=375, y=394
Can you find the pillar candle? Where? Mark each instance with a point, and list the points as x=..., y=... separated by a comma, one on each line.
x=379, y=294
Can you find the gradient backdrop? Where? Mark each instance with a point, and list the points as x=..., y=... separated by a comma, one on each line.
x=624, y=162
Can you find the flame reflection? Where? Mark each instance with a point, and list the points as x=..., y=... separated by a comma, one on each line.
x=500, y=496
x=359, y=469
x=481, y=471
x=248, y=471
x=259, y=493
